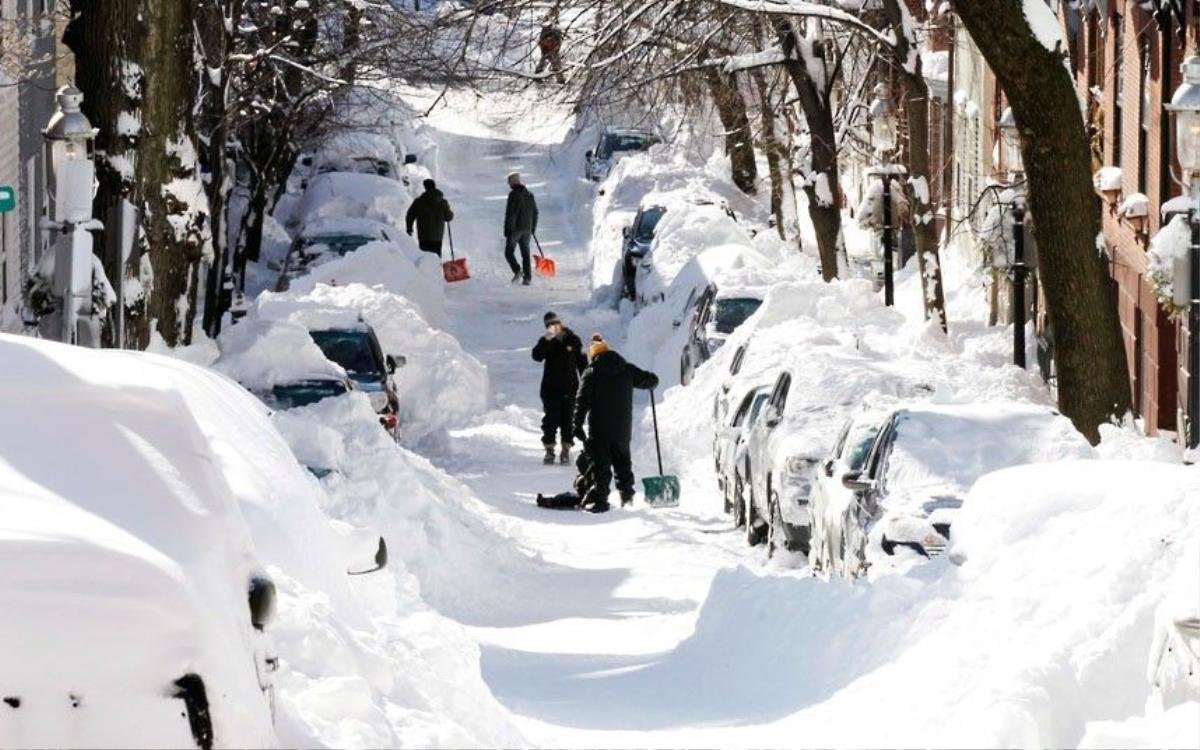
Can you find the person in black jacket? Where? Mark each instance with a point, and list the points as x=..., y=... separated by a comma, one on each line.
x=520, y=224
x=561, y=353
x=605, y=403
x=430, y=211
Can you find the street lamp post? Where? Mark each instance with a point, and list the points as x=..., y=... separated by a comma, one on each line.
x=69, y=136
x=1185, y=109
x=1020, y=271
x=883, y=137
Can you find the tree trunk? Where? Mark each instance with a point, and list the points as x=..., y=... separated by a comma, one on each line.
x=1093, y=382
x=174, y=209
x=822, y=186
x=916, y=107
x=739, y=139
x=772, y=148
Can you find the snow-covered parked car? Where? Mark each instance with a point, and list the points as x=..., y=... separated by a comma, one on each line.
x=830, y=499
x=136, y=611
x=322, y=240
x=902, y=502
x=717, y=313
x=354, y=346
x=1174, y=667
x=637, y=238
x=347, y=195
x=728, y=437
x=611, y=145
x=360, y=153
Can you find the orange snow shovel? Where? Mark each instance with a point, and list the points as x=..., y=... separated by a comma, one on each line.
x=544, y=266
x=454, y=269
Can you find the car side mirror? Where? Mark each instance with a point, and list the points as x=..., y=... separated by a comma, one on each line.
x=829, y=468
x=274, y=265
x=588, y=155
x=381, y=560
x=395, y=361
x=410, y=158
x=626, y=231
x=391, y=364
x=676, y=323
x=773, y=418
x=855, y=482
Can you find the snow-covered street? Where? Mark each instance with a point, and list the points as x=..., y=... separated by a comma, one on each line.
x=877, y=354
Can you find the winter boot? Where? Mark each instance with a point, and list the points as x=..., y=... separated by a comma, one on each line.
x=516, y=277
x=564, y=456
x=548, y=459
x=598, y=506
x=525, y=282
x=626, y=499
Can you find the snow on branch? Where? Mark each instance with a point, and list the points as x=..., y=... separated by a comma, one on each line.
x=802, y=9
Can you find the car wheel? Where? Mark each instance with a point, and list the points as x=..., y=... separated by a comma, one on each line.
x=756, y=529
x=775, y=531
x=684, y=375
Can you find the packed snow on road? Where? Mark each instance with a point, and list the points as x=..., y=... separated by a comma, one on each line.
x=363, y=515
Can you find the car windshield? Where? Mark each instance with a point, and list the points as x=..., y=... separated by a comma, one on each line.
x=341, y=244
x=859, y=446
x=370, y=165
x=733, y=311
x=648, y=221
x=352, y=350
x=622, y=142
x=306, y=392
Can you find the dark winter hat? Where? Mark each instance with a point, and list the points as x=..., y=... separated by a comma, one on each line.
x=429, y=185
x=551, y=317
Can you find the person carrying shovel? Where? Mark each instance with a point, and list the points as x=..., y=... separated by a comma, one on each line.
x=605, y=404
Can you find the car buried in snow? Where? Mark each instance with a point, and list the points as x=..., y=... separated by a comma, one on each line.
x=717, y=313
x=638, y=237
x=324, y=240
x=612, y=143
x=729, y=437
x=900, y=503
x=355, y=348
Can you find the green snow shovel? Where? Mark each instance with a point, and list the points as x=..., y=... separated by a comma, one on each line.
x=661, y=491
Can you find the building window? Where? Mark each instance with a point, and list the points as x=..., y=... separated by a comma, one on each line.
x=1118, y=86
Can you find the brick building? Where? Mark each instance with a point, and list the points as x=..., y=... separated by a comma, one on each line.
x=1125, y=55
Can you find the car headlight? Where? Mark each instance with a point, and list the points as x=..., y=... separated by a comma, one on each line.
x=798, y=466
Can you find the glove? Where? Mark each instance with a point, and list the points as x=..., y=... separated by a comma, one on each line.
x=580, y=434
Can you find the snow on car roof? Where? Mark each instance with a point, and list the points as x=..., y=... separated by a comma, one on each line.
x=352, y=195
x=357, y=144
x=946, y=447
x=261, y=353
x=325, y=225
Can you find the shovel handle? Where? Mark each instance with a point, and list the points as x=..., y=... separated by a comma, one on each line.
x=654, y=417
x=539, y=245
x=450, y=234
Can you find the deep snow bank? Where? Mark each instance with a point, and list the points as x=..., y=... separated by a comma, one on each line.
x=1045, y=627
x=440, y=386
x=221, y=495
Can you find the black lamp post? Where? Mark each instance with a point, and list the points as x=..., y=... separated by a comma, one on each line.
x=883, y=137
x=1020, y=271
x=1185, y=108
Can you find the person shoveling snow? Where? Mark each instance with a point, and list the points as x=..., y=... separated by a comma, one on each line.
x=605, y=403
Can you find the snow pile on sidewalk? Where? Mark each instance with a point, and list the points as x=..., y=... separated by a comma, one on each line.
x=440, y=386
x=227, y=493
x=449, y=540
x=1043, y=629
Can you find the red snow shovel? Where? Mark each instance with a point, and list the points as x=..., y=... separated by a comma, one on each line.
x=454, y=269
x=544, y=266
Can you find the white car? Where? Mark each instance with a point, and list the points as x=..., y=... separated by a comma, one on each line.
x=903, y=499
x=831, y=501
x=134, y=610
x=346, y=195
x=728, y=436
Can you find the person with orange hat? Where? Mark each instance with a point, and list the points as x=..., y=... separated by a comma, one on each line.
x=605, y=404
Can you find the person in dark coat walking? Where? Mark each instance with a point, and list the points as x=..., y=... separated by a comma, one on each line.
x=520, y=224
x=605, y=404
x=561, y=353
x=430, y=211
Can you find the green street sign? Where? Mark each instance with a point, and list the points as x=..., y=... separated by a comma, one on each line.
x=8, y=198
